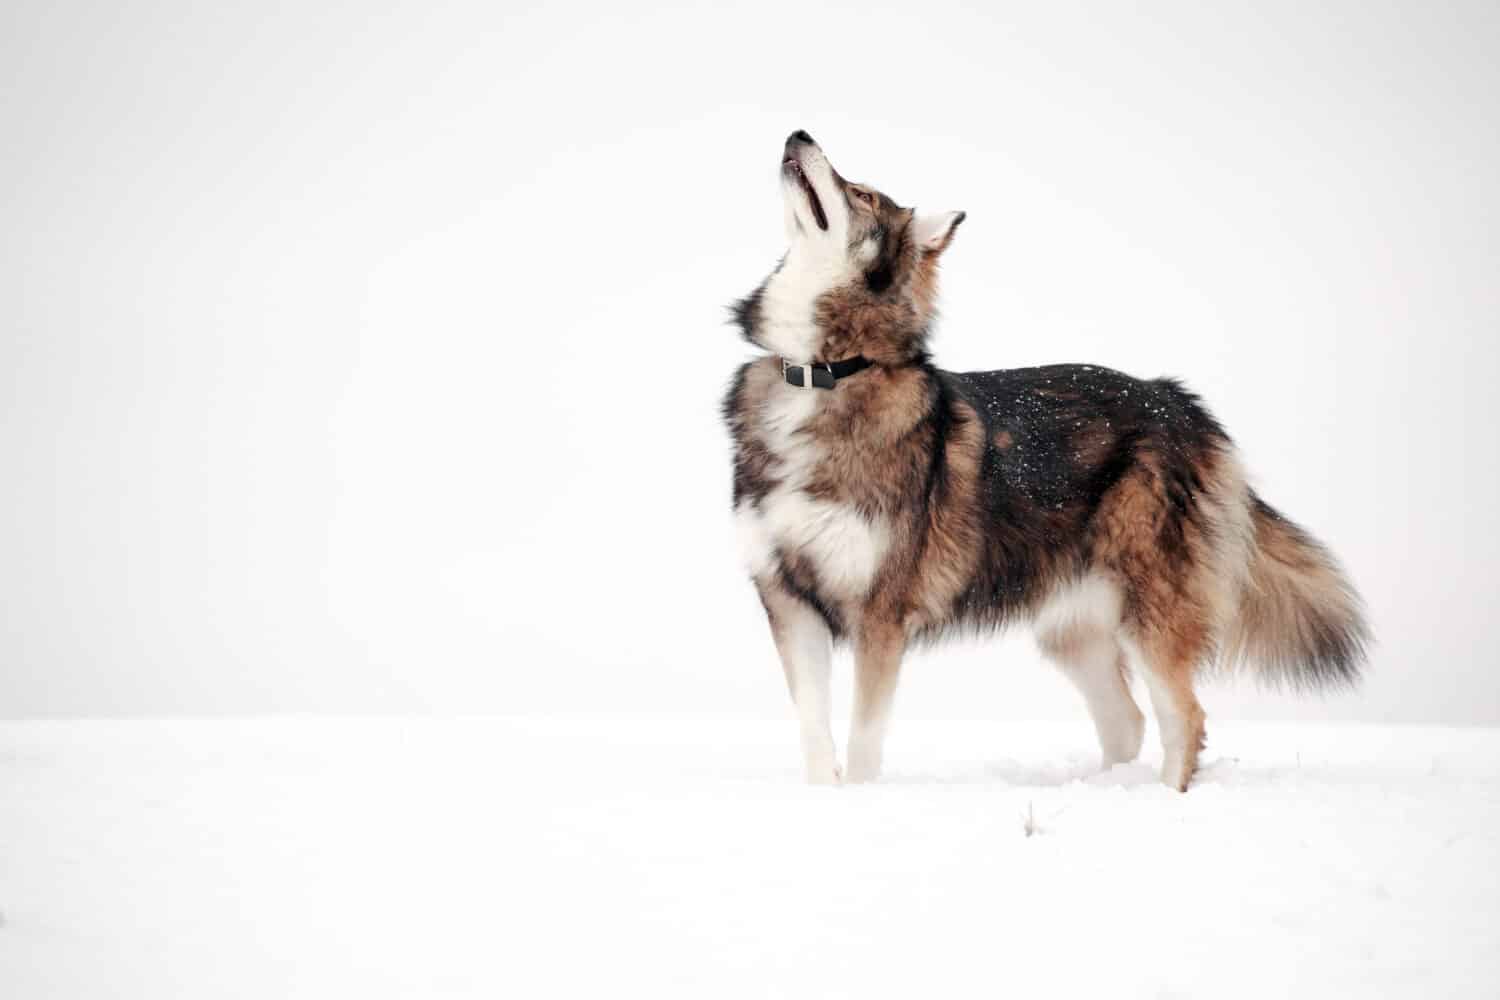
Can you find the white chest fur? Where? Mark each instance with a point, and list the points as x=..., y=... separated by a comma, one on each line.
x=843, y=547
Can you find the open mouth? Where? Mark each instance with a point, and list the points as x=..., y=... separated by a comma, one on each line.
x=795, y=169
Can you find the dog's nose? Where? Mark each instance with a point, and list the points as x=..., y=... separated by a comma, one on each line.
x=800, y=136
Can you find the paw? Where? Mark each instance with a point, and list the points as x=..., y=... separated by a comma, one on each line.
x=863, y=766
x=1176, y=773
x=824, y=772
x=1122, y=744
x=820, y=761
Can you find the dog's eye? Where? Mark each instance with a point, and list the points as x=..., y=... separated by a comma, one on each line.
x=864, y=196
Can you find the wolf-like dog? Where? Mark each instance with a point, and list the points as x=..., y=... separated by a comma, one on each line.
x=885, y=502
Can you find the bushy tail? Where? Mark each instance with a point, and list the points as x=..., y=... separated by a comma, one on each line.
x=1300, y=623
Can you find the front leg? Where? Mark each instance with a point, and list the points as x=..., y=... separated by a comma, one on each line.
x=805, y=644
x=877, y=666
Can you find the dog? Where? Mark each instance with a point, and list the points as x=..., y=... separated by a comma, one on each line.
x=884, y=502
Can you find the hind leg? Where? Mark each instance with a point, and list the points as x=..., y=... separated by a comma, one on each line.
x=1168, y=669
x=1092, y=659
x=1164, y=529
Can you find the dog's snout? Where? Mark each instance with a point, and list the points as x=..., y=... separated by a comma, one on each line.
x=799, y=136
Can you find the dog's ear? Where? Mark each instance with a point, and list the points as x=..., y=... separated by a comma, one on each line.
x=933, y=233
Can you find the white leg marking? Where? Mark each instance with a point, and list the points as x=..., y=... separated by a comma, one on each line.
x=1173, y=728
x=809, y=660
x=1094, y=662
x=867, y=748
x=867, y=734
x=877, y=670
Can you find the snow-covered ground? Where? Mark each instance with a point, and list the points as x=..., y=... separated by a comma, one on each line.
x=317, y=858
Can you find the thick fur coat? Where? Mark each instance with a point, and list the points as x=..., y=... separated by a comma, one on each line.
x=908, y=503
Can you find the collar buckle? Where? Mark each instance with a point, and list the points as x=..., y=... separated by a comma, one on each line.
x=808, y=376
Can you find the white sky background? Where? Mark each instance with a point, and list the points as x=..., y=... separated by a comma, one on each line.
x=371, y=362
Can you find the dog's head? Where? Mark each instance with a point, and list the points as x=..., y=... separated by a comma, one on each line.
x=860, y=275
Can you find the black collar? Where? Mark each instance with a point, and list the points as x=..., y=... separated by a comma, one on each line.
x=824, y=374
